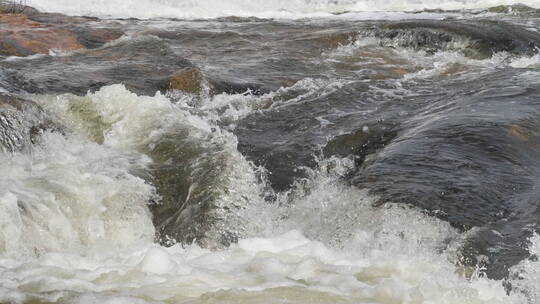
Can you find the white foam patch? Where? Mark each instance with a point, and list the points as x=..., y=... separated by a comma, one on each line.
x=30, y=57
x=125, y=120
x=227, y=109
x=260, y=8
x=121, y=120
x=525, y=276
x=526, y=62
x=72, y=195
x=76, y=208
x=386, y=58
x=251, y=270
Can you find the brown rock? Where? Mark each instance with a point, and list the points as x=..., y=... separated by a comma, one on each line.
x=20, y=36
x=518, y=132
x=188, y=80
x=31, y=32
x=191, y=80
x=144, y=66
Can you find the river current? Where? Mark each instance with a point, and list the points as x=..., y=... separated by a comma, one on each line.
x=275, y=152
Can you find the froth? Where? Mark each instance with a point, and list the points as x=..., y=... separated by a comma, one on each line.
x=69, y=194
x=524, y=276
x=212, y=180
x=286, y=266
x=386, y=58
x=276, y=8
x=323, y=240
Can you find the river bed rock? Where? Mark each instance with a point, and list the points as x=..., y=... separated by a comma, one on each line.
x=20, y=36
x=30, y=32
x=144, y=66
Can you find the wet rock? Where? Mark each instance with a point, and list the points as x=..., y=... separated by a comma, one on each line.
x=20, y=36
x=189, y=80
x=91, y=32
x=144, y=65
x=92, y=38
x=21, y=123
x=518, y=132
x=236, y=78
x=361, y=143
x=25, y=31
x=336, y=40
x=470, y=169
x=480, y=39
x=57, y=19
x=218, y=86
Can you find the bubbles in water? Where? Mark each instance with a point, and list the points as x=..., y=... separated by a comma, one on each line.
x=275, y=8
x=379, y=58
x=524, y=276
x=71, y=195
x=78, y=203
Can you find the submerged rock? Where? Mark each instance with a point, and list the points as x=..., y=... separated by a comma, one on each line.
x=518, y=132
x=480, y=39
x=360, y=143
x=92, y=38
x=144, y=65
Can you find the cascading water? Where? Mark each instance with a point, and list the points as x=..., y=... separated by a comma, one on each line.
x=77, y=228
x=381, y=157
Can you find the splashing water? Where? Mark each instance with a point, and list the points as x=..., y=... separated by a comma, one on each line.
x=87, y=235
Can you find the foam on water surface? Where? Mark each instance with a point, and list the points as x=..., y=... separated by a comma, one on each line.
x=288, y=267
x=72, y=195
x=259, y=8
x=78, y=212
x=387, y=59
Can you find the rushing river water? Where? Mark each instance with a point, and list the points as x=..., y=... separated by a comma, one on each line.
x=318, y=152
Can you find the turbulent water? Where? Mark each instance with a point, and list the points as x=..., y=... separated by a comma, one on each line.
x=259, y=8
x=334, y=152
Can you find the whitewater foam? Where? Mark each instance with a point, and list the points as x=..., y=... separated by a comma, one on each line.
x=71, y=195
x=387, y=259
x=203, y=157
x=77, y=207
x=386, y=58
x=243, y=8
x=526, y=62
x=524, y=276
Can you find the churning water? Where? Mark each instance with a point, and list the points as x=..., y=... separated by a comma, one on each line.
x=356, y=158
x=259, y=8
